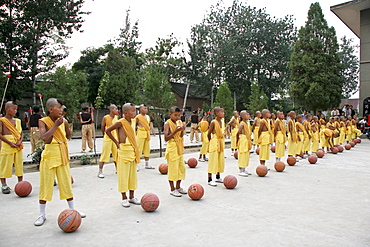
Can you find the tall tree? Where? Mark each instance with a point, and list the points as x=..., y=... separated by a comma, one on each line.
x=351, y=67
x=224, y=99
x=315, y=64
x=32, y=35
x=257, y=100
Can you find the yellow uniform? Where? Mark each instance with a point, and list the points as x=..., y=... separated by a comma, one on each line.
x=234, y=145
x=280, y=140
x=356, y=132
x=292, y=138
x=108, y=145
x=55, y=163
x=315, y=138
x=10, y=155
x=342, y=130
x=272, y=125
x=143, y=135
x=244, y=144
x=175, y=154
x=322, y=124
x=216, y=161
x=337, y=130
x=203, y=127
x=307, y=137
x=302, y=134
x=349, y=131
x=264, y=140
x=128, y=157
x=255, y=132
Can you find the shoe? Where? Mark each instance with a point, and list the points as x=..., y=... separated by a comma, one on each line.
x=248, y=173
x=201, y=160
x=211, y=183
x=149, y=167
x=182, y=191
x=232, y=154
x=175, y=193
x=125, y=203
x=205, y=159
x=83, y=151
x=251, y=151
x=55, y=183
x=219, y=180
x=91, y=150
x=83, y=215
x=40, y=220
x=243, y=174
x=5, y=189
x=134, y=201
x=101, y=175
x=191, y=141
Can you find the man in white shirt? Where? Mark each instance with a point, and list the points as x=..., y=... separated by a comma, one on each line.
x=335, y=112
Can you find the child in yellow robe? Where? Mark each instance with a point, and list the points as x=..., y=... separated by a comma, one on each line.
x=280, y=136
x=143, y=134
x=255, y=129
x=234, y=124
x=203, y=127
x=337, y=129
x=301, y=134
x=264, y=137
x=342, y=130
x=292, y=135
x=315, y=134
x=244, y=143
x=308, y=137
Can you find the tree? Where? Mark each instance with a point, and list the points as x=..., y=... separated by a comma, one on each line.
x=315, y=64
x=32, y=35
x=224, y=100
x=257, y=100
x=351, y=68
x=71, y=87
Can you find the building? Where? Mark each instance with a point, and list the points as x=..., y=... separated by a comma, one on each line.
x=356, y=15
x=194, y=100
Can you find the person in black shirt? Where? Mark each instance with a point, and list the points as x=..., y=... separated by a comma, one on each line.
x=33, y=126
x=86, y=130
x=194, y=119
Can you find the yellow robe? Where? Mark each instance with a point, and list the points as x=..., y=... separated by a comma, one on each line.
x=307, y=139
x=203, y=127
x=216, y=161
x=280, y=140
x=175, y=154
x=108, y=145
x=302, y=138
x=343, y=130
x=315, y=138
x=255, y=132
x=264, y=140
x=234, y=131
x=244, y=144
x=143, y=135
x=337, y=130
x=349, y=131
x=292, y=139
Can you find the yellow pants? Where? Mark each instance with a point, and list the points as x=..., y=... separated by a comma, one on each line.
x=176, y=169
x=108, y=148
x=255, y=135
x=234, y=145
x=292, y=146
x=323, y=141
x=349, y=134
x=243, y=159
x=216, y=162
x=300, y=143
x=144, y=146
x=126, y=168
x=280, y=145
x=342, y=137
x=315, y=141
x=307, y=144
x=264, y=152
x=205, y=143
x=87, y=135
x=8, y=157
x=356, y=133
x=243, y=152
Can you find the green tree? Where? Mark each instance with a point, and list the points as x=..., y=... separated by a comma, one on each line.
x=315, y=64
x=257, y=100
x=351, y=67
x=224, y=99
x=102, y=91
x=32, y=35
x=71, y=87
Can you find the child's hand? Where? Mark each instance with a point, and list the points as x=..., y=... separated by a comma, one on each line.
x=59, y=121
x=13, y=145
x=117, y=144
x=19, y=143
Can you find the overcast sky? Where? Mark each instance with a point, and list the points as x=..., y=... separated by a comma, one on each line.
x=159, y=18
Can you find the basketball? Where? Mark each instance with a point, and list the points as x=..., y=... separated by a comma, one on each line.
x=261, y=170
x=258, y=151
x=23, y=188
x=352, y=143
x=312, y=159
x=72, y=180
x=341, y=149
x=279, y=166
x=69, y=220
x=334, y=150
x=149, y=202
x=195, y=191
x=358, y=140
x=320, y=153
x=230, y=182
x=163, y=168
x=291, y=161
x=348, y=146
x=236, y=155
x=337, y=145
x=273, y=148
x=192, y=162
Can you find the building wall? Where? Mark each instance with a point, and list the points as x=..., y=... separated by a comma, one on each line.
x=364, y=57
x=192, y=104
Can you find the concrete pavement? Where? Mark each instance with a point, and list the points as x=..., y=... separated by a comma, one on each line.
x=326, y=204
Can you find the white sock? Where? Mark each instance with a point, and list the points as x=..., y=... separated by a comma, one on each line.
x=42, y=209
x=71, y=204
x=147, y=163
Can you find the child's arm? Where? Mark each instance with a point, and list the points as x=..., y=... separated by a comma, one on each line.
x=231, y=122
x=117, y=125
x=167, y=132
x=210, y=130
x=240, y=131
x=182, y=127
x=67, y=129
x=276, y=126
x=47, y=135
x=103, y=126
x=262, y=124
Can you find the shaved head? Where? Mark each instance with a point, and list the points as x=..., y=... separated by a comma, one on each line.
x=243, y=113
x=52, y=102
x=126, y=107
x=174, y=109
x=112, y=107
x=217, y=109
x=9, y=104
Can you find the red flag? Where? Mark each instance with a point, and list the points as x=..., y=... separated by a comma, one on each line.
x=40, y=95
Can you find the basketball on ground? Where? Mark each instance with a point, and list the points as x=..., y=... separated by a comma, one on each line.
x=236, y=155
x=230, y=181
x=312, y=159
x=291, y=161
x=195, y=191
x=23, y=188
x=69, y=220
x=348, y=146
x=341, y=149
x=149, y=202
x=320, y=153
x=258, y=151
x=273, y=149
x=163, y=168
x=279, y=166
x=192, y=162
x=334, y=150
x=261, y=170
x=352, y=143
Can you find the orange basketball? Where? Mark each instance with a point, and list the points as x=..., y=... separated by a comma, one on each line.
x=192, y=162
x=149, y=202
x=352, y=143
x=273, y=149
x=320, y=153
x=258, y=151
x=23, y=188
x=334, y=150
x=341, y=149
x=312, y=159
x=261, y=170
x=69, y=220
x=279, y=166
x=348, y=146
x=163, y=168
x=358, y=141
x=236, y=155
x=230, y=182
x=195, y=191
x=291, y=161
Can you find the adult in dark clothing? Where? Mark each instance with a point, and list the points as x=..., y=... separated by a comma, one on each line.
x=86, y=130
x=194, y=119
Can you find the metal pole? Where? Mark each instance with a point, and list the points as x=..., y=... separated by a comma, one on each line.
x=6, y=87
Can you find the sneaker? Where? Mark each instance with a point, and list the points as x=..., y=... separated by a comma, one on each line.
x=211, y=183
x=219, y=180
x=83, y=215
x=5, y=189
x=232, y=154
x=125, y=203
x=251, y=151
x=40, y=220
x=243, y=174
x=205, y=159
x=91, y=150
x=101, y=175
x=201, y=160
x=248, y=173
x=83, y=151
x=182, y=191
x=55, y=183
x=175, y=193
x=134, y=201
x=149, y=167
x=191, y=141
